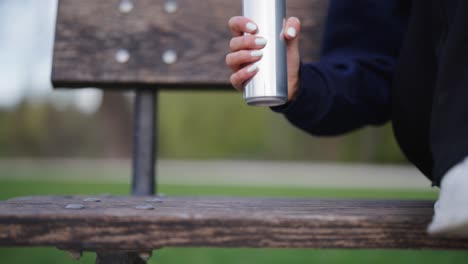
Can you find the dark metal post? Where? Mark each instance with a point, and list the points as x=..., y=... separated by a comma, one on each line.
x=144, y=142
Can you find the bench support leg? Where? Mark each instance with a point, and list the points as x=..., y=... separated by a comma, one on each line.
x=144, y=142
x=144, y=160
x=119, y=258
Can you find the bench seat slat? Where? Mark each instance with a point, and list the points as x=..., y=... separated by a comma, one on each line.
x=115, y=223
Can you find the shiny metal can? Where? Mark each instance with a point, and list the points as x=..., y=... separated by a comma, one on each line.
x=269, y=87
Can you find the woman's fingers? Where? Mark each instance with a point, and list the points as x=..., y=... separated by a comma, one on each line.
x=241, y=76
x=246, y=50
x=237, y=59
x=248, y=42
x=240, y=25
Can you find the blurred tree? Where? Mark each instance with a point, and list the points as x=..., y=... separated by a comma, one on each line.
x=114, y=117
x=192, y=125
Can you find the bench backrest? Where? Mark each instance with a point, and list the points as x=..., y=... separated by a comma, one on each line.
x=157, y=43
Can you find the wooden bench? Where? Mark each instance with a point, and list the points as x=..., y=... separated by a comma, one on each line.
x=149, y=45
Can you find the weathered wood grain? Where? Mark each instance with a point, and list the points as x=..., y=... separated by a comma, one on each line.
x=115, y=224
x=89, y=33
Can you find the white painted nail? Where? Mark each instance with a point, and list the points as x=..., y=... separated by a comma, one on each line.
x=260, y=41
x=252, y=68
x=251, y=26
x=256, y=53
x=291, y=32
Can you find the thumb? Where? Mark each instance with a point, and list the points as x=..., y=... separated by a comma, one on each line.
x=291, y=34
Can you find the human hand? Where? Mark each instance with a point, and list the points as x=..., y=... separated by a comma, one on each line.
x=247, y=49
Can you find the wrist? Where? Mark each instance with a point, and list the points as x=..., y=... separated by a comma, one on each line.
x=293, y=86
x=294, y=83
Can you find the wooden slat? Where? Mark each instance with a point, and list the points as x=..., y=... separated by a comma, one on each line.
x=115, y=223
x=89, y=33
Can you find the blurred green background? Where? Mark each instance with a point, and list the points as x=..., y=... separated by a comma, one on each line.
x=192, y=125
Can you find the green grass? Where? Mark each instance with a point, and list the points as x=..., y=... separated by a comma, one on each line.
x=247, y=256
x=12, y=188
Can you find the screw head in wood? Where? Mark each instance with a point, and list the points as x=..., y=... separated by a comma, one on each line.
x=126, y=6
x=170, y=6
x=91, y=200
x=169, y=56
x=144, y=207
x=154, y=200
x=74, y=206
x=75, y=255
x=122, y=56
x=145, y=256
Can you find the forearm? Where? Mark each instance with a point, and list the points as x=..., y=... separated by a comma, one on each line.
x=327, y=102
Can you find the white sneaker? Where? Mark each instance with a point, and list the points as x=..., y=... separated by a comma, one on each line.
x=451, y=210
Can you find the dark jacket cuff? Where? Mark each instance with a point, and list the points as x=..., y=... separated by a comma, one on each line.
x=311, y=88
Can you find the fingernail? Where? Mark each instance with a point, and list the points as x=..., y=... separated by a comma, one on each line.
x=252, y=68
x=256, y=53
x=251, y=26
x=291, y=32
x=260, y=41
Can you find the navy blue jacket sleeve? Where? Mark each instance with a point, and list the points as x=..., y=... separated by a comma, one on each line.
x=350, y=86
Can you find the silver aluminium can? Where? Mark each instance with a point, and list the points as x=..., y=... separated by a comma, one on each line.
x=269, y=87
